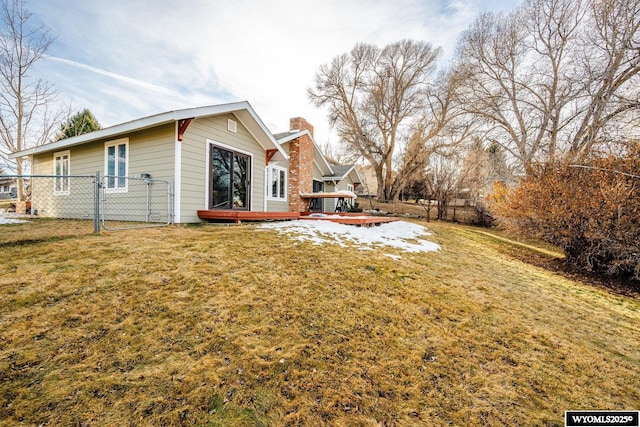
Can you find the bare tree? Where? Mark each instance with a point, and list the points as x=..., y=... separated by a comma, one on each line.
x=611, y=60
x=550, y=77
x=448, y=172
x=446, y=176
x=516, y=83
x=374, y=96
x=476, y=165
x=26, y=119
x=441, y=127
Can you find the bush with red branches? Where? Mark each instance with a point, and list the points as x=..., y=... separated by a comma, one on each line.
x=591, y=211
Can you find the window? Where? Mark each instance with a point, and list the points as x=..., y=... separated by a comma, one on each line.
x=117, y=165
x=350, y=187
x=61, y=170
x=277, y=183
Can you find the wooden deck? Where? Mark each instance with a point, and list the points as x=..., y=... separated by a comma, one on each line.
x=239, y=216
x=357, y=219
x=308, y=213
x=349, y=218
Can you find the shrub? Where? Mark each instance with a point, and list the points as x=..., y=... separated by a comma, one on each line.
x=592, y=212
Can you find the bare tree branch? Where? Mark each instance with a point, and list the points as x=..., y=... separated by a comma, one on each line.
x=25, y=116
x=374, y=96
x=553, y=77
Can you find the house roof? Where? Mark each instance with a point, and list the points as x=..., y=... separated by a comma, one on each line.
x=242, y=110
x=331, y=171
x=281, y=136
x=342, y=171
x=286, y=137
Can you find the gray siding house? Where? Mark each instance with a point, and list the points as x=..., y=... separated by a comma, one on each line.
x=221, y=160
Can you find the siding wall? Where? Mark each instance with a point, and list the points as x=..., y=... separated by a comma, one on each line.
x=153, y=152
x=330, y=204
x=342, y=185
x=195, y=163
x=277, y=206
x=317, y=176
x=150, y=151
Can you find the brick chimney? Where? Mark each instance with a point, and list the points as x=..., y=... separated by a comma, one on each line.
x=298, y=123
x=300, y=165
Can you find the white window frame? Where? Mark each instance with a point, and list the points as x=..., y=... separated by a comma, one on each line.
x=280, y=169
x=117, y=188
x=66, y=189
x=350, y=187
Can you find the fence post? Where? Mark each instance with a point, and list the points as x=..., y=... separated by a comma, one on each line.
x=171, y=202
x=96, y=204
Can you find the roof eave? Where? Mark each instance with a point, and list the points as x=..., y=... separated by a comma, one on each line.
x=352, y=169
x=266, y=140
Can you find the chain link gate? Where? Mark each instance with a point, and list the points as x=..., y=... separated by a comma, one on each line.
x=140, y=202
x=64, y=205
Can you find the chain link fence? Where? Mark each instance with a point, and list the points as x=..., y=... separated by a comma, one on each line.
x=474, y=215
x=59, y=206
x=127, y=202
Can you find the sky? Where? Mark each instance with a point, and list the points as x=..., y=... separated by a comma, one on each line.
x=128, y=59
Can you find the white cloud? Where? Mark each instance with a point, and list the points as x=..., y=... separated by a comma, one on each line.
x=141, y=57
x=124, y=79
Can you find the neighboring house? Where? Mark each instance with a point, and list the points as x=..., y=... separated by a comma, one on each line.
x=369, y=186
x=8, y=187
x=221, y=160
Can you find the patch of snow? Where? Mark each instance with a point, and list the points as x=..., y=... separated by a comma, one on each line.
x=347, y=193
x=392, y=256
x=7, y=220
x=342, y=193
x=402, y=235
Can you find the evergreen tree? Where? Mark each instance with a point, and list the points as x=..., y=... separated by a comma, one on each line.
x=81, y=123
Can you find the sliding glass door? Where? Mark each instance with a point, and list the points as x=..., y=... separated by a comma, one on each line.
x=230, y=182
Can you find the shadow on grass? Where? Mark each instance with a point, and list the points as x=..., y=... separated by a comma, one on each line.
x=550, y=258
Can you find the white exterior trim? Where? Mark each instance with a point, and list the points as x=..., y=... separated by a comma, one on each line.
x=265, y=204
x=285, y=183
x=116, y=143
x=242, y=110
x=177, y=179
x=57, y=177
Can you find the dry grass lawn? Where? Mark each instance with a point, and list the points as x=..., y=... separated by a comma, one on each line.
x=240, y=326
